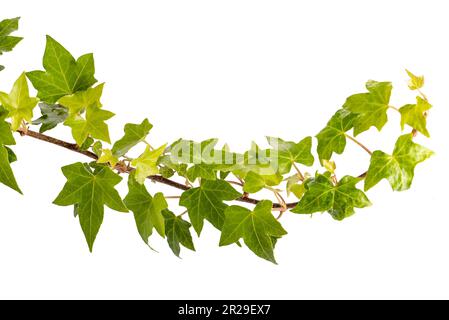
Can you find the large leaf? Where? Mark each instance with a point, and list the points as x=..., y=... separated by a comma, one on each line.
x=63, y=74
x=90, y=190
x=257, y=228
x=398, y=168
x=333, y=137
x=339, y=199
x=147, y=209
x=19, y=103
x=371, y=107
x=206, y=202
x=134, y=133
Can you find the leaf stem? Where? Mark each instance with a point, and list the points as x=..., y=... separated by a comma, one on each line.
x=359, y=143
x=300, y=175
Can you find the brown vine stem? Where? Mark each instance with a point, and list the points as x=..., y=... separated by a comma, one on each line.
x=75, y=148
x=359, y=144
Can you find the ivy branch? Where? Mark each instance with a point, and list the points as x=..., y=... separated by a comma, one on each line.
x=68, y=94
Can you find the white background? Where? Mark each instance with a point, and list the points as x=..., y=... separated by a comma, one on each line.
x=236, y=70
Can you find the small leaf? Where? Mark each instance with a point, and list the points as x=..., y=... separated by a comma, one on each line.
x=147, y=209
x=256, y=227
x=415, y=82
x=7, y=42
x=253, y=183
x=329, y=165
x=81, y=100
x=19, y=103
x=206, y=202
x=399, y=167
x=371, y=107
x=146, y=164
x=94, y=125
x=205, y=171
x=415, y=115
x=178, y=232
x=90, y=190
x=64, y=75
x=52, y=115
x=339, y=200
x=134, y=133
x=108, y=157
x=6, y=137
x=289, y=153
x=97, y=148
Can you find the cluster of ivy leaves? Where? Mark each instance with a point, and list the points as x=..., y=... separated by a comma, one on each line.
x=68, y=94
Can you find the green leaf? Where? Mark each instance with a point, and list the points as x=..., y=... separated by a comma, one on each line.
x=63, y=74
x=94, y=125
x=87, y=144
x=6, y=137
x=81, y=100
x=178, y=232
x=19, y=103
x=146, y=163
x=97, y=148
x=108, y=157
x=253, y=183
x=415, y=82
x=7, y=42
x=415, y=115
x=52, y=115
x=371, y=107
x=333, y=137
x=6, y=173
x=90, y=189
x=288, y=153
x=206, y=202
x=339, y=200
x=147, y=209
x=134, y=133
x=296, y=186
x=256, y=227
x=205, y=171
x=399, y=167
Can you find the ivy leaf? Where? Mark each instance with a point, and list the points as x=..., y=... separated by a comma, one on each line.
x=147, y=209
x=177, y=231
x=146, y=164
x=371, y=107
x=19, y=103
x=63, y=74
x=94, y=125
x=90, y=189
x=206, y=202
x=296, y=186
x=203, y=170
x=333, y=137
x=339, y=200
x=81, y=100
x=7, y=42
x=415, y=115
x=52, y=115
x=288, y=153
x=6, y=137
x=108, y=157
x=399, y=167
x=256, y=227
x=97, y=148
x=415, y=82
x=255, y=182
x=6, y=173
x=134, y=133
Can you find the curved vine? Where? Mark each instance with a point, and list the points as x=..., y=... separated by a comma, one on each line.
x=209, y=177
